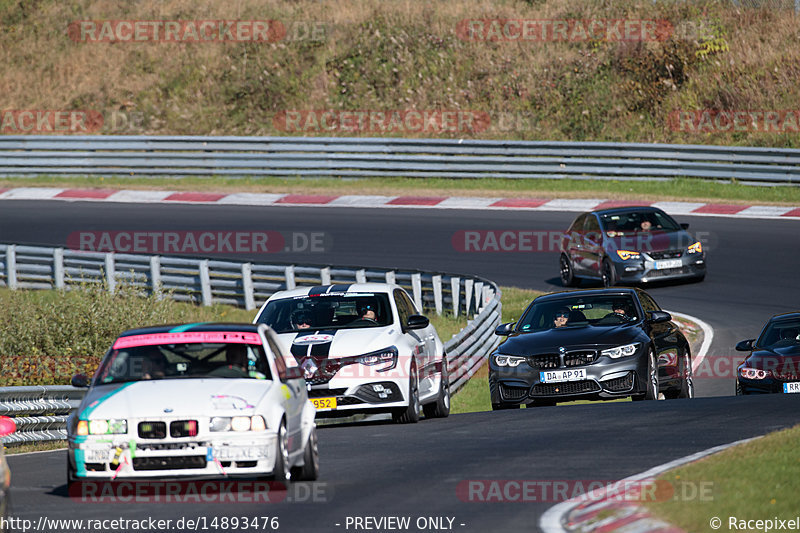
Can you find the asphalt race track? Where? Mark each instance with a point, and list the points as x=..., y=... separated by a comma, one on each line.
x=384, y=470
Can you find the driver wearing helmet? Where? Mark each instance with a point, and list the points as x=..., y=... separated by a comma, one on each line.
x=301, y=319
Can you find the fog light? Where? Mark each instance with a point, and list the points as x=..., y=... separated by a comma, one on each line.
x=378, y=388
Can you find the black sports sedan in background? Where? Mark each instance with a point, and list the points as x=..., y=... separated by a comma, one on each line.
x=590, y=344
x=629, y=245
x=773, y=364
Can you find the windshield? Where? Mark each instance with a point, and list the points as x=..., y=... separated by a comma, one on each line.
x=637, y=221
x=579, y=311
x=130, y=360
x=328, y=311
x=780, y=333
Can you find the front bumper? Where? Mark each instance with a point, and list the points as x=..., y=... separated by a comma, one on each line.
x=126, y=456
x=648, y=269
x=767, y=386
x=605, y=379
x=374, y=396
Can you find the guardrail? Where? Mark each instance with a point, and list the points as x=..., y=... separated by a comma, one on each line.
x=40, y=412
x=138, y=156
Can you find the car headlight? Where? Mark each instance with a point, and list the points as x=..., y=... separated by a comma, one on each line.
x=621, y=351
x=696, y=248
x=754, y=373
x=238, y=423
x=508, y=360
x=627, y=254
x=386, y=357
x=102, y=427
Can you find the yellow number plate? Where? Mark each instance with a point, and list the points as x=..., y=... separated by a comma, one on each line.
x=324, y=403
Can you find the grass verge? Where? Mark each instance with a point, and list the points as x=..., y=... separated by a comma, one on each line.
x=767, y=491
x=672, y=190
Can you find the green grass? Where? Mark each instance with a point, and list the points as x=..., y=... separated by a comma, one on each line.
x=35, y=447
x=676, y=189
x=757, y=480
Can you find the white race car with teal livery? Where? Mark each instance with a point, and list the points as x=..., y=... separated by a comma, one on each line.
x=363, y=348
x=206, y=400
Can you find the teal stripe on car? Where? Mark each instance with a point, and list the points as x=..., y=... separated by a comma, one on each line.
x=186, y=327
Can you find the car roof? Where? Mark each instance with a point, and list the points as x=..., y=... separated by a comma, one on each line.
x=195, y=327
x=616, y=291
x=337, y=287
x=626, y=209
x=783, y=316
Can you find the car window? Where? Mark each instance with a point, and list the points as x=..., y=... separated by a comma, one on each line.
x=577, y=225
x=280, y=362
x=631, y=222
x=780, y=333
x=581, y=311
x=591, y=228
x=327, y=311
x=648, y=304
x=405, y=307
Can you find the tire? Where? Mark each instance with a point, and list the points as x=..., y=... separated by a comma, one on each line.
x=687, y=383
x=568, y=278
x=410, y=414
x=651, y=393
x=310, y=469
x=281, y=472
x=608, y=274
x=441, y=407
x=739, y=391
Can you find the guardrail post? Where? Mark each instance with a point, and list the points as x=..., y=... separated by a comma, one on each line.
x=325, y=276
x=11, y=266
x=111, y=276
x=361, y=276
x=468, y=283
x=391, y=277
x=478, y=296
x=455, y=291
x=205, y=282
x=58, y=268
x=437, y=293
x=416, y=285
x=155, y=276
x=247, y=286
x=290, y=282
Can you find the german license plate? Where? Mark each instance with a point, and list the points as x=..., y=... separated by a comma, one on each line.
x=96, y=455
x=791, y=387
x=324, y=404
x=559, y=376
x=668, y=263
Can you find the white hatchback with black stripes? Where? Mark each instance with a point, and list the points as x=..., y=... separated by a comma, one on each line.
x=363, y=348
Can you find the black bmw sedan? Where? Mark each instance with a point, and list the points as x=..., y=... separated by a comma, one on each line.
x=590, y=344
x=773, y=364
x=629, y=245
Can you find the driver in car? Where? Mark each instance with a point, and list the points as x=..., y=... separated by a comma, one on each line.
x=620, y=308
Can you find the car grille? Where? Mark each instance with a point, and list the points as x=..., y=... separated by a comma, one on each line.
x=579, y=358
x=786, y=375
x=563, y=389
x=152, y=430
x=183, y=428
x=177, y=462
x=544, y=361
x=513, y=393
x=390, y=393
x=668, y=254
x=324, y=393
x=348, y=400
x=619, y=384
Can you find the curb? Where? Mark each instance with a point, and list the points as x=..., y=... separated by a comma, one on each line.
x=400, y=202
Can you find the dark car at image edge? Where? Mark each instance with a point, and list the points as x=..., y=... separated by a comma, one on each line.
x=773, y=364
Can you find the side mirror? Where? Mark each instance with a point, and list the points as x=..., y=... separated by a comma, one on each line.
x=80, y=381
x=659, y=317
x=7, y=426
x=685, y=225
x=294, y=372
x=745, y=346
x=504, y=330
x=417, y=322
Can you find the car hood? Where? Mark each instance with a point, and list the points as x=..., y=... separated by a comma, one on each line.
x=174, y=398
x=336, y=343
x=785, y=357
x=654, y=241
x=549, y=341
